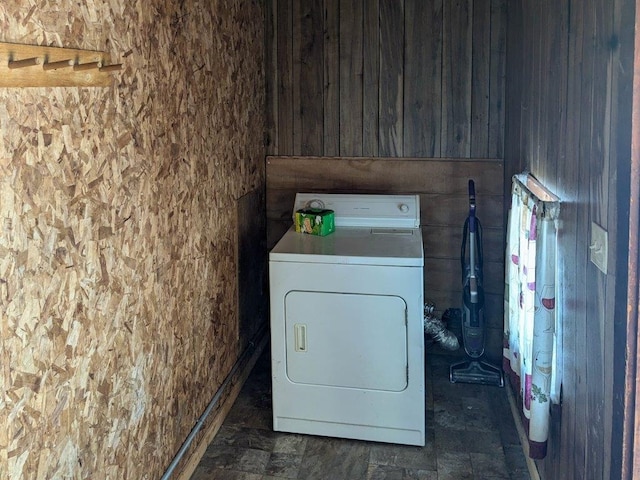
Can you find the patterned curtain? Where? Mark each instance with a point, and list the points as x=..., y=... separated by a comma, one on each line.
x=530, y=313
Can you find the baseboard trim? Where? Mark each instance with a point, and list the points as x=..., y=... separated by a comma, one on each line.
x=219, y=415
x=524, y=441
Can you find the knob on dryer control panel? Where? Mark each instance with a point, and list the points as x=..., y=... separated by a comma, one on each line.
x=316, y=203
x=365, y=210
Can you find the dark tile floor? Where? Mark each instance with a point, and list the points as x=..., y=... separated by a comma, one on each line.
x=470, y=435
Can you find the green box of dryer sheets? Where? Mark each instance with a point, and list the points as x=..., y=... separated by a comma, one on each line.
x=315, y=221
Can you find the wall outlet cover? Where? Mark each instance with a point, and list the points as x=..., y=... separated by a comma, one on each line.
x=599, y=247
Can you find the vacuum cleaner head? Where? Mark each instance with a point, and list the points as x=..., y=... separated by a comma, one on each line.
x=476, y=371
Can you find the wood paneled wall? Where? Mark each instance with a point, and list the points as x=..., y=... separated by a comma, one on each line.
x=415, y=79
x=387, y=78
x=568, y=120
x=442, y=185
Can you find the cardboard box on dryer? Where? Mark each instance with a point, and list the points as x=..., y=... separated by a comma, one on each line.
x=315, y=221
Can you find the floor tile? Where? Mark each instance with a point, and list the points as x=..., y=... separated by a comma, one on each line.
x=290, y=443
x=516, y=462
x=243, y=437
x=454, y=466
x=233, y=458
x=335, y=458
x=220, y=474
x=403, y=456
x=388, y=472
x=489, y=465
x=470, y=435
x=284, y=465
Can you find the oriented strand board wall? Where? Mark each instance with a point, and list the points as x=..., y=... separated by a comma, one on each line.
x=118, y=244
x=444, y=205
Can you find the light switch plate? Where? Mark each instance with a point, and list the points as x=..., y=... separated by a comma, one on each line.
x=599, y=247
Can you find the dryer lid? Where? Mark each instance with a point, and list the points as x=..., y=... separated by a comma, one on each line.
x=348, y=245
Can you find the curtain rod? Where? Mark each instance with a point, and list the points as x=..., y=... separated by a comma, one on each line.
x=547, y=203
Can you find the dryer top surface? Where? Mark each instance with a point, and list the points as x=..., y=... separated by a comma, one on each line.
x=350, y=245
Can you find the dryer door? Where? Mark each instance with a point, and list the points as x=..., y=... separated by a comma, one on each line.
x=346, y=340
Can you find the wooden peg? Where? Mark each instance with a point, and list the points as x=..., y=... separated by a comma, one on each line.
x=56, y=65
x=111, y=68
x=87, y=66
x=27, y=62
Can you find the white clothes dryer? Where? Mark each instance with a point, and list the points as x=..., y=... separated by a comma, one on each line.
x=347, y=338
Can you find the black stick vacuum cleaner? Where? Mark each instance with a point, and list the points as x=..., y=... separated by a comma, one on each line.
x=473, y=369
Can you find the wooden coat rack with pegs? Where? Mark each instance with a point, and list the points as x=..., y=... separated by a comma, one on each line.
x=40, y=66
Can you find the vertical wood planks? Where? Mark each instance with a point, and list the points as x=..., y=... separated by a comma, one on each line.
x=529, y=37
x=555, y=116
x=371, y=73
x=351, y=88
x=597, y=192
x=480, y=70
x=422, y=84
x=331, y=114
x=298, y=91
x=284, y=35
x=497, y=73
x=585, y=355
x=572, y=344
x=271, y=70
x=549, y=128
x=535, y=94
x=513, y=91
x=400, y=77
x=391, y=77
x=551, y=66
x=572, y=106
x=310, y=82
x=456, y=78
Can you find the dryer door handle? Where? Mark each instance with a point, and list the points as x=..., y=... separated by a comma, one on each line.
x=300, y=336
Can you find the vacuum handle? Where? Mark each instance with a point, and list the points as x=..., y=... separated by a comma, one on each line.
x=472, y=206
x=473, y=281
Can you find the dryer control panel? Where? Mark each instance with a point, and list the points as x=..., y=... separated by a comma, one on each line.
x=356, y=210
